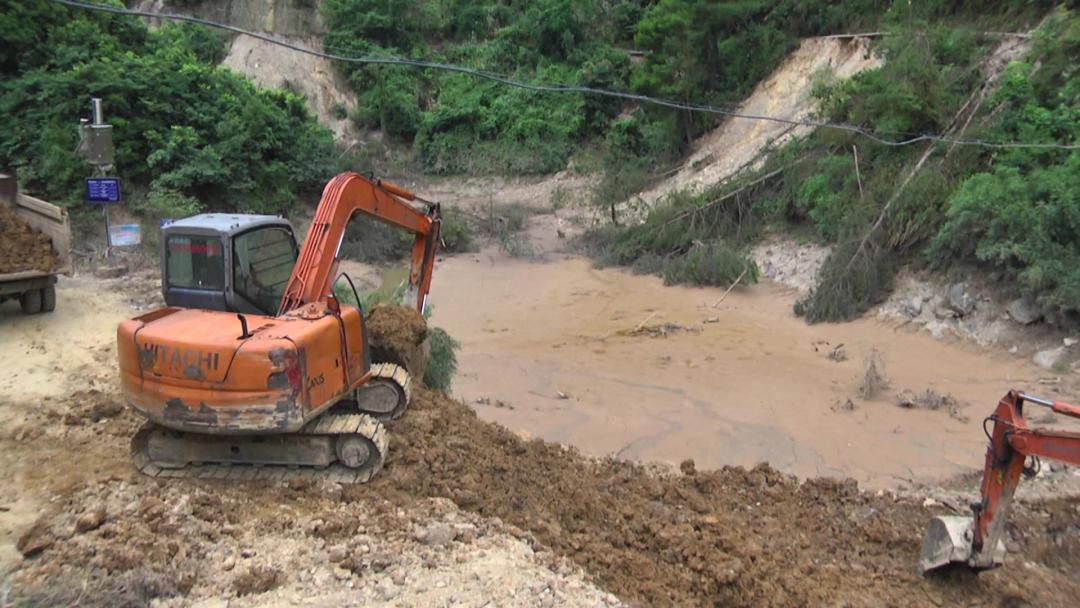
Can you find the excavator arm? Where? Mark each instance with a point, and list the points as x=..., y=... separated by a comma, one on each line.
x=977, y=542
x=346, y=195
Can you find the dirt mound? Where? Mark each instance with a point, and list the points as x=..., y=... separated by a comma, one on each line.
x=139, y=541
x=397, y=334
x=726, y=537
x=21, y=247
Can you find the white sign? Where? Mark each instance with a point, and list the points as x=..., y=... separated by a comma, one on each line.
x=125, y=235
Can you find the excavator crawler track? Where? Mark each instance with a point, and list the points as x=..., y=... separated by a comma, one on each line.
x=387, y=394
x=360, y=431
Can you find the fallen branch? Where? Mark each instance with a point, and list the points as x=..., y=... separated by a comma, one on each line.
x=721, y=299
x=862, y=35
x=734, y=193
x=642, y=324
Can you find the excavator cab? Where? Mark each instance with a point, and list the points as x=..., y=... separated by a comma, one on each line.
x=227, y=262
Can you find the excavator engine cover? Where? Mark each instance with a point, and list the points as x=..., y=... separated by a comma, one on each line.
x=948, y=541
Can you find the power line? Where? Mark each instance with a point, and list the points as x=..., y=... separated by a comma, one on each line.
x=910, y=138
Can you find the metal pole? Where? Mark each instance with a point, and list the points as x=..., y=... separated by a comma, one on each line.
x=95, y=107
x=108, y=233
x=98, y=119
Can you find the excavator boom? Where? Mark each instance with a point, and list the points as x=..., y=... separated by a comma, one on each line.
x=347, y=194
x=978, y=542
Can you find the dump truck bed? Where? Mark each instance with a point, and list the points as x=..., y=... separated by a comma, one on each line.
x=47, y=218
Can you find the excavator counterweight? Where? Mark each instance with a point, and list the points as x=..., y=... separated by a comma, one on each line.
x=255, y=361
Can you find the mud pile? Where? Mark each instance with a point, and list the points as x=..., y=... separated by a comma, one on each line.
x=21, y=247
x=727, y=537
x=125, y=543
x=654, y=537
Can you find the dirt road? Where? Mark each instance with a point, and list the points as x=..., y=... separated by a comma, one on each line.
x=743, y=383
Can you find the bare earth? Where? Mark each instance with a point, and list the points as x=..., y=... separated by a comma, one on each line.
x=469, y=513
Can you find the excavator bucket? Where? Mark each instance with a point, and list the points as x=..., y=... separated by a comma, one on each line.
x=948, y=541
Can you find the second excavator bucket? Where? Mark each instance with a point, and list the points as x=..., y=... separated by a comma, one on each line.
x=948, y=541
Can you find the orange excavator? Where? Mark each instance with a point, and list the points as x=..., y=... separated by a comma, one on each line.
x=977, y=542
x=255, y=368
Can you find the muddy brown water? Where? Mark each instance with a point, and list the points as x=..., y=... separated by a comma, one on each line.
x=544, y=347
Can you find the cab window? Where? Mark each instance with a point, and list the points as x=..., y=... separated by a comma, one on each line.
x=263, y=261
x=195, y=262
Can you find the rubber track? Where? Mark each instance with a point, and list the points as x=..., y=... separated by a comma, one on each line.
x=327, y=424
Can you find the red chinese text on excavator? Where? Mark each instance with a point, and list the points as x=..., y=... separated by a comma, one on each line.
x=254, y=361
x=977, y=542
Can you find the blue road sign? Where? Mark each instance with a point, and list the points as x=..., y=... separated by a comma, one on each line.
x=102, y=190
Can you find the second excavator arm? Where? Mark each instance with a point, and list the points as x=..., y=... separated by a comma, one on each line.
x=977, y=542
x=346, y=195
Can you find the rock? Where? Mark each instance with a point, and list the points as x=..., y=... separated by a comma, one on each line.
x=91, y=519
x=337, y=553
x=943, y=312
x=1070, y=342
x=1023, y=311
x=465, y=533
x=437, y=534
x=1047, y=359
x=843, y=406
x=35, y=540
x=938, y=329
x=912, y=307
x=958, y=300
x=387, y=591
x=1051, y=315
x=247, y=553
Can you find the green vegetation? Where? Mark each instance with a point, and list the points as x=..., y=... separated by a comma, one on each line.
x=691, y=239
x=192, y=135
x=695, y=50
x=1019, y=212
x=442, y=361
x=189, y=134
x=1012, y=211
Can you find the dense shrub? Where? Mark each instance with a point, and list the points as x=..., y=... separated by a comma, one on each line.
x=1020, y=213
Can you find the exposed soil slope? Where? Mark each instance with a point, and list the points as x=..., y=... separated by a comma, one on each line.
x=786, y=94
